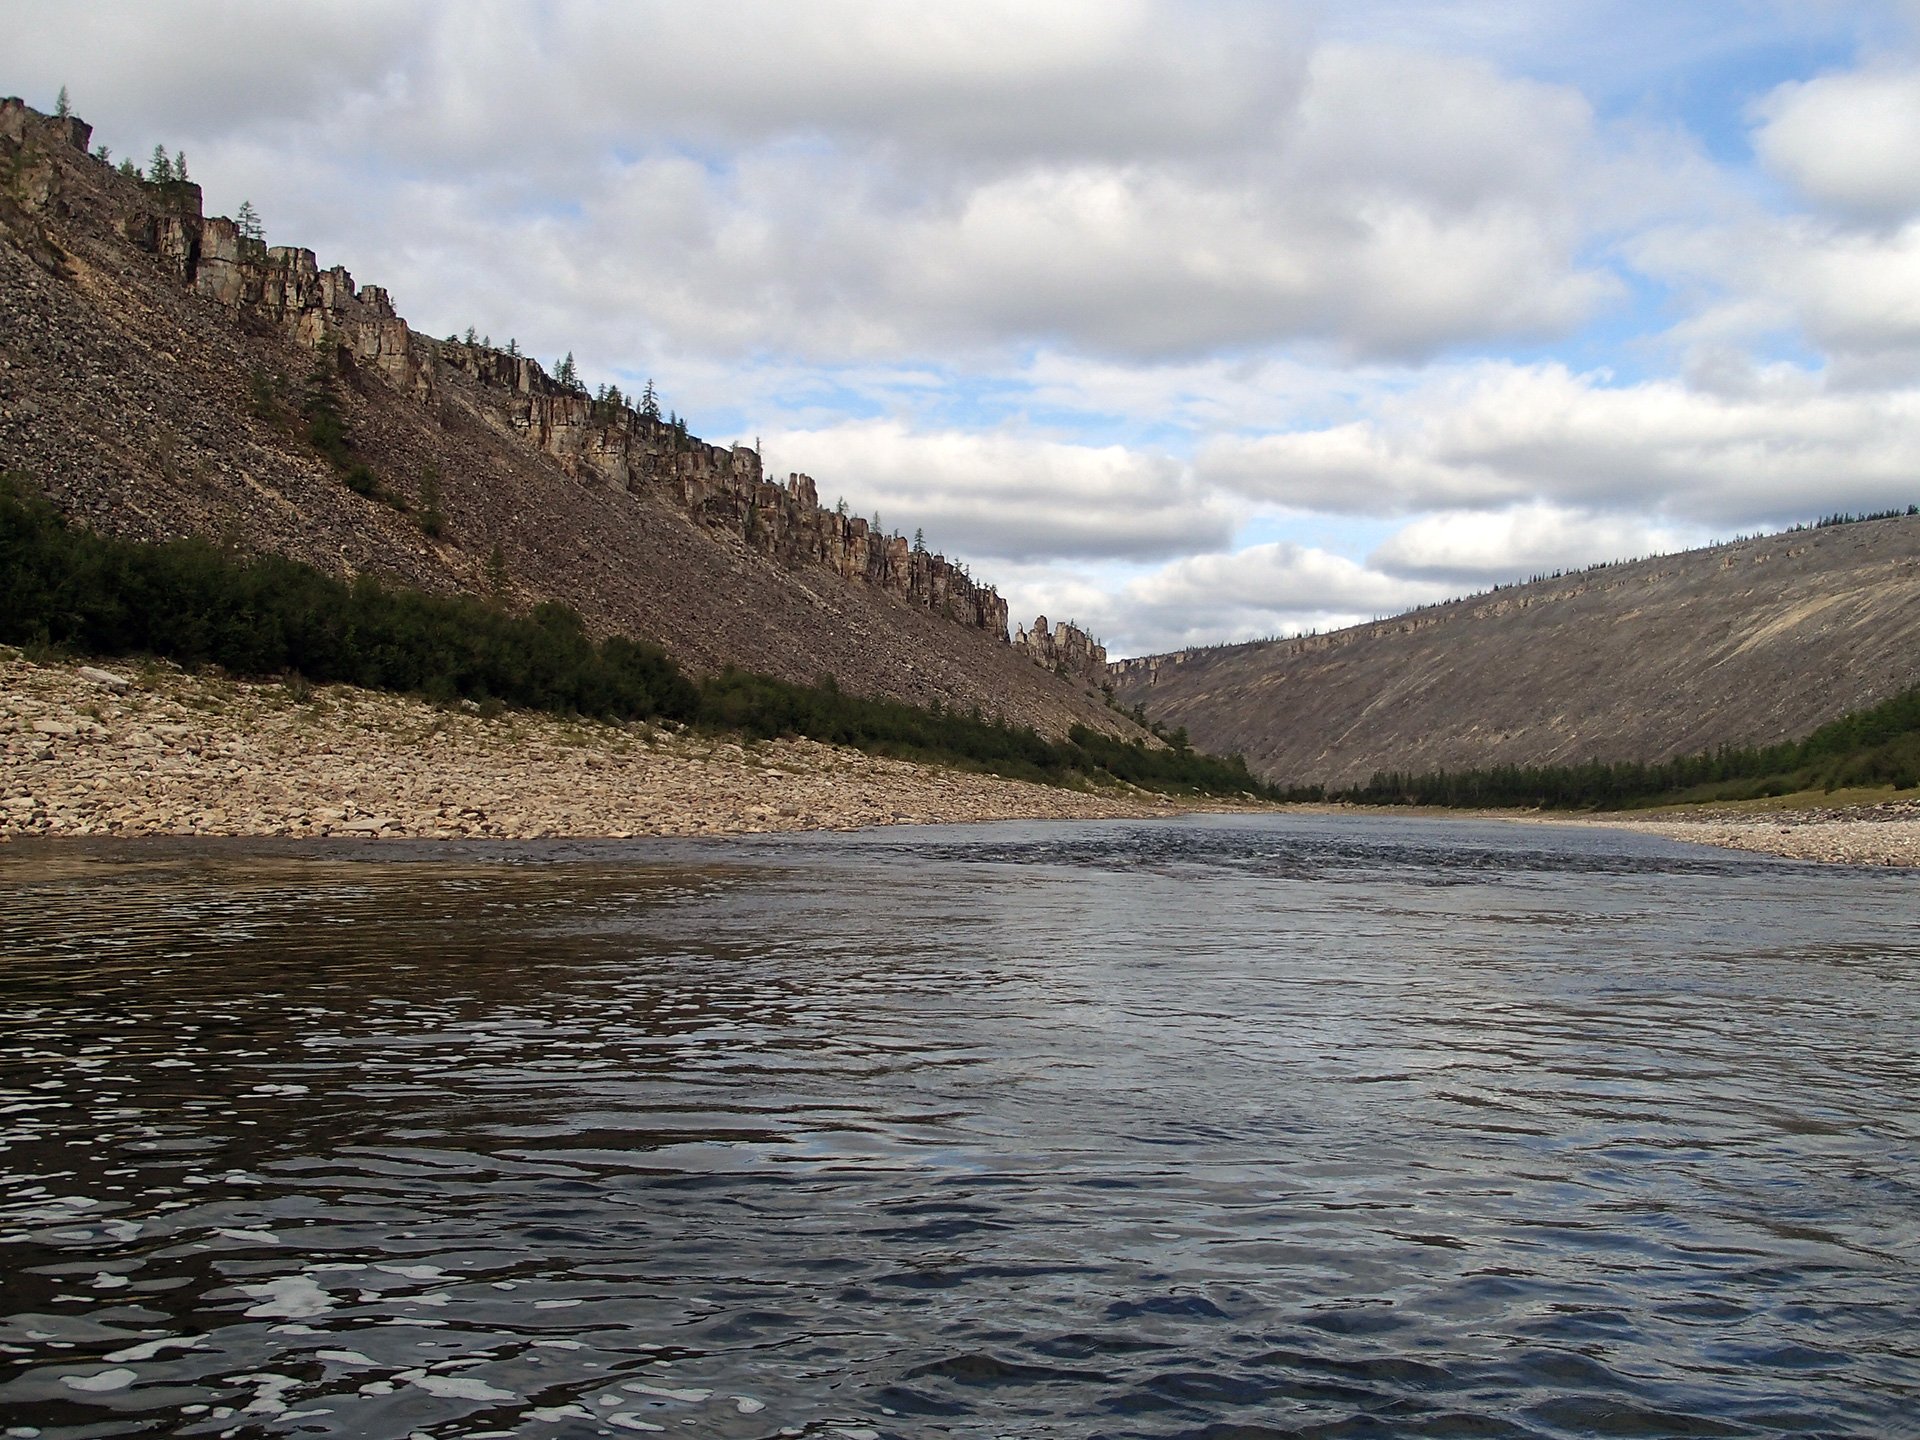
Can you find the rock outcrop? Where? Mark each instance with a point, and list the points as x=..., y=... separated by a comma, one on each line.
x=1065, y=649
x=155, y=365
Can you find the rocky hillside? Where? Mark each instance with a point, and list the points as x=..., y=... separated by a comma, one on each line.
x=1752, y=642
x=164, y=373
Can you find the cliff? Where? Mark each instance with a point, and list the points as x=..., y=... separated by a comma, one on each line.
x=1065, y=649
x=1752, y=642
x=157, y=372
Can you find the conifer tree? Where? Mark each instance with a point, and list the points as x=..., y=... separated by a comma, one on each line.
x=649, y=401
x=160, y=168
x=60, y=106
x=180, y=165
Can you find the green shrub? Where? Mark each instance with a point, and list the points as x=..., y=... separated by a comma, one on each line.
x=197, y=603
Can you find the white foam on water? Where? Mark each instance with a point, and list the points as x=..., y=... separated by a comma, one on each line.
x=459, y=1387
x=344, y=1357
x=296, y=1297
x=100, y=1382
x=146, y=1350
x=107, y=1280
x=556, y=1304
x=747, y=1405
x=627, y=1420
x=560, y=1344
x=254, y=1237
x=553, y=1414
x=272, y=1396
x=691, y=1397
x=412, y=1272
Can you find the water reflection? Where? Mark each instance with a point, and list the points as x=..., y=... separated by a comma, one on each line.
x=1218, y=1128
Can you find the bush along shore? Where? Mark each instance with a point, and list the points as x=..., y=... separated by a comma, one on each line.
x=262, y=616
x=1878, y=746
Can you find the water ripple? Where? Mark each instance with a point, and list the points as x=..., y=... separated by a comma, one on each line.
x=1224, y=1128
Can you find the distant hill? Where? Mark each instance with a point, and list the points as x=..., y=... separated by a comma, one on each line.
x=1749, y=643
x=164, y=373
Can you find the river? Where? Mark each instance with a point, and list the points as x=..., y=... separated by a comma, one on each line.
x=1221, y=1127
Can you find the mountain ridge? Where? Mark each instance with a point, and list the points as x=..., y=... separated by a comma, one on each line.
x=157, y=378
x=1750, y=642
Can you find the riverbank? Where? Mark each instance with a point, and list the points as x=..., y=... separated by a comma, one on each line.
x=1886, y=832
x=151, y=750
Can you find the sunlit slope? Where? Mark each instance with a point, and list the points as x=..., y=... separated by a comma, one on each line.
x=1749, y=643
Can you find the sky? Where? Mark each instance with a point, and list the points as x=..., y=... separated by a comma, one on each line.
x=1189, y=320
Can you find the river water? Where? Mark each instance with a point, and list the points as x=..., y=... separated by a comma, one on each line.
x=1224, y=1127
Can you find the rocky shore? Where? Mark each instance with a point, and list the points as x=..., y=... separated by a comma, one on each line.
x=1881, y=834
x=150, y=750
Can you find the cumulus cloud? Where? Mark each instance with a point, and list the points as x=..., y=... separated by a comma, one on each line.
x=1273, y=588
x=1847, y=141
x=1474, y=548
x=1500, y=434
x=1008, y=496
x=192, y=71
x=853, y=179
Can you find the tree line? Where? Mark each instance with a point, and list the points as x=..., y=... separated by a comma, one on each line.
x=1879, y=745
x=198, y=603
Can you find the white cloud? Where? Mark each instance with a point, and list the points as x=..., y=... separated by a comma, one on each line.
x=1273, y=588
x=1500, y=434
x=193, y=69
x=1847, y=141
x=1007, y=496
x=853, y=179
x=1473, y=548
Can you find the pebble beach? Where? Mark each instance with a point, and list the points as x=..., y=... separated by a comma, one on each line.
x=152, y=750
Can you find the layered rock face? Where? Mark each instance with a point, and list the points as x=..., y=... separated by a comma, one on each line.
x=594, y=440
x=1065, y=648
x=1748, y=643
x=153, y=362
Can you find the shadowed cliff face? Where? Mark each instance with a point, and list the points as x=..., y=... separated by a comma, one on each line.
x=1748, y=643
x=157, y=372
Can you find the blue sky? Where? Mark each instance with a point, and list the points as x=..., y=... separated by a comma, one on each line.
x=1192, y=320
